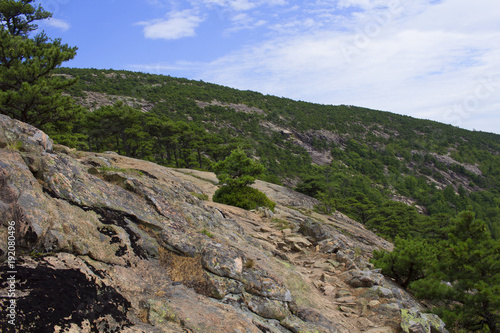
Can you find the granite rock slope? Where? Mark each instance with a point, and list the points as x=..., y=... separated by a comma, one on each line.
x=106, y=243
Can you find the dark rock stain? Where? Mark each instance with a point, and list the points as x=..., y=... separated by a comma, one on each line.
x=50, y=297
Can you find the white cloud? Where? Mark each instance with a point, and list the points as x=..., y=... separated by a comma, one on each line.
x=160, y=68
x=422, y=60
x=58, y=23
x=242, y=5
x=241, y=21
x=178, y=24
x=239, y=5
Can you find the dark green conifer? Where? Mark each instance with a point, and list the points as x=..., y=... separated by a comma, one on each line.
x=28, y=89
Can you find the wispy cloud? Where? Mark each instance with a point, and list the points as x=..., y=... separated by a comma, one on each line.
x=186, y=67
x=406, y=61
x=242, y=21
x=177, y=24
x=243, y=5
x=58, y=23
x=234, y=4
x=419, y=57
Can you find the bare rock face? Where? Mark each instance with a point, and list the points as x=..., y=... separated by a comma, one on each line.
x=106, y=243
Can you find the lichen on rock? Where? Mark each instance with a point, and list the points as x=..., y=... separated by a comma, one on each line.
x=107, y=243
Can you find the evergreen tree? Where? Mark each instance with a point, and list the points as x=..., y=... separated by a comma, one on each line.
x=28, y=90
x=238, y=170
x=411, y=260
x=466, y=280
x=235, y=173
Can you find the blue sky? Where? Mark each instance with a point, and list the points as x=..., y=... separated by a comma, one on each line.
x=436, y=60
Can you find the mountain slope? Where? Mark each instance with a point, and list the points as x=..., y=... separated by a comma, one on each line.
x=330, y=152
x=109, y=243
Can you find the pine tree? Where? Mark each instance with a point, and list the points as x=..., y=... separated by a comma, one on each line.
x=410, y=260
x=467, y=278
x=28, y=89
x=238, y=170
x=235, y=173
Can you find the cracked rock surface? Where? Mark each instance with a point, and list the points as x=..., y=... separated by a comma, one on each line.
x=106, y=243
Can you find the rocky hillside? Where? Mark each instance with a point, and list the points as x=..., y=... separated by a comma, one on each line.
x=350, y=158
x=107, y=243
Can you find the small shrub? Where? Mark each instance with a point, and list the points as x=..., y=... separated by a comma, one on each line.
x=35, y=254
x=208, y=233
x=133, y=172
x=16, y=145
x=111, y=169
x=281, y=224
x=244, y=197
x=201, y=196
x=250, y=263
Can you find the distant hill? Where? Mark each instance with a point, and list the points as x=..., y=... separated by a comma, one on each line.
x=350, y=157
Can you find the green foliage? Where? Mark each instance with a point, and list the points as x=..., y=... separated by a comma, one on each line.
x=244, y=197
x=29, y=90
x=238, y=170
x=461, y=273
x=17, y=17
x=327, y=205
x=207, y=233
x=149, y=136
x=194, y=124
x=312, y=185
x=410, y=260
x=377, y=158
x=235, y=173
x=16, y=145
x=281, y=224
x=201, y=196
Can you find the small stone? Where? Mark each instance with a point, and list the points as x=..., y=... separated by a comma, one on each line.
x=329, y=290
x=329, y=279
x=347, y=309
x=348, y=299
x=334, y=263
x=365, y=279
x=265, y=229
x=383, y=292
x=283, y=246
x=297, y=240
x=265, y=307
x=343, y=293
x=322, y=265
x=417, y=328
x=318, y=284
x=296, y=248
x=129, y=185
x=364, y=322
x=93, y=171
x=435, y=322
